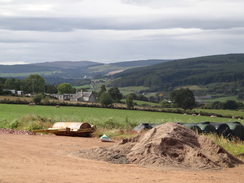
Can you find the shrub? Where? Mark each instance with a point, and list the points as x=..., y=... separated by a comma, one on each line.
x=106, y=99
x=30, y=122
x=129, y=102
x=38, y=98
x=230, y=104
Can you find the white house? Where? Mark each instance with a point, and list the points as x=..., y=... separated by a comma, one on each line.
x=79, y=96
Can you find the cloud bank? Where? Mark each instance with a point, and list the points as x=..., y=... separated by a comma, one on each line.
x=118, y=30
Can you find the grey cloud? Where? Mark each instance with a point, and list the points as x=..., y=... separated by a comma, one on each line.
x=115, y=23
x=6, y=40
x=35, y=24
x=123, y=36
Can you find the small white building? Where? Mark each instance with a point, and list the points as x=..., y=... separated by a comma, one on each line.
x=20, y=93
x=9, y=90
x=79, y=96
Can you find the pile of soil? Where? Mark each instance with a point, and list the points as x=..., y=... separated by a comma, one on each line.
x=167, y=145
x=15, y=132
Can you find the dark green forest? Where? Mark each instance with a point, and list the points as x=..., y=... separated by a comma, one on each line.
x=193, y=71
x=139, y=63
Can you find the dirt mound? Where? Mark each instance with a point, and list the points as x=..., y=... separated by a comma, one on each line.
x=15, y=132
x=168, y=145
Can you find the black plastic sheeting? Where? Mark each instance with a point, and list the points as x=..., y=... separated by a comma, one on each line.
x=228, y=130
x=142, y=126
x=222, y=129
x=237, y=129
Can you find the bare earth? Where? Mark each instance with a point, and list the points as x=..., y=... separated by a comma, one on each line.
x=49, y=158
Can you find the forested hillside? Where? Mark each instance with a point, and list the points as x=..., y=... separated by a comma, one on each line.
x=139, y=63
x=192, y=71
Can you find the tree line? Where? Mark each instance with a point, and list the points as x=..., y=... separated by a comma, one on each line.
x=32, y=84
x=183, y=98
x=35, y=84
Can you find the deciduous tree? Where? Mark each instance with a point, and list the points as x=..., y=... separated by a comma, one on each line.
x=103, y=89
x=1, y=88
x=65, y=88
x=12, y=84
x=115, y=94
x=51, y=89
x=33, y=84
x=106, y=99
x=230, y=104
x=184, y=98
x=129, y=101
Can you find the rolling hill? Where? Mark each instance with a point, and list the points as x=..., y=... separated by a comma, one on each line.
x=192, y=71
x=157, y=75
x=68, y=71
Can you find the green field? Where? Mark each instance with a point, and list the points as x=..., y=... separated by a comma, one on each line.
x=82, y=87
x=132, y=89
x=193, y=87
x=143, y=103
x=222, y=99
x=223, y=112
x=97, y=116
x=106, y=68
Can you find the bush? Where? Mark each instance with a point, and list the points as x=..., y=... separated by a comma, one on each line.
x=30, y=122
x=110, y=124
x=217, y=105
x=106, y=99
x=38, y=98
x=230, y=104
x=46, y=101
x=129, y=102
x=165, y=104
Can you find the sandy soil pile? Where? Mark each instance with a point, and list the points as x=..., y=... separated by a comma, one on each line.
x=168, y=145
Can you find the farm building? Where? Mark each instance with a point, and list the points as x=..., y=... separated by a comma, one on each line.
x=19, y=92
x=11, y=91
x=79, y=96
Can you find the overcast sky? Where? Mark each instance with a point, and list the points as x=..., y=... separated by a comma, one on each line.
x=118, y=30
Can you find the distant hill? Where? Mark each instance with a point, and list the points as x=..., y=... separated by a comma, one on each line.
x=111, y=68
x=139, y=63
x=68, y=64
x=46, y=66
x=68, y=71
x=158, y=75
x=192, y=71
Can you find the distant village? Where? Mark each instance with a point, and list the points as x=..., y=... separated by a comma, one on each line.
x=80, y=96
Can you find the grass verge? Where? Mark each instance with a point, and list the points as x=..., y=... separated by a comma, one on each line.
x=235, y=147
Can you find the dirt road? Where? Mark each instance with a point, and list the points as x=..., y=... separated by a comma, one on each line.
x=49, y=158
